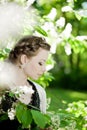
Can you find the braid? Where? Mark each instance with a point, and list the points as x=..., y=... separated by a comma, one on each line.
x=29, y=45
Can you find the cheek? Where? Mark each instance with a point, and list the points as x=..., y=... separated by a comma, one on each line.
x=35, y=68
x=32, y=71
x=32, y=67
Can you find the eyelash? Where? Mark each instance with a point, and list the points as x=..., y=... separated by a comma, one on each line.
x=40, y=63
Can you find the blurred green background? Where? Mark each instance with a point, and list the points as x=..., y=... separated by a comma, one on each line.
x=63, y=24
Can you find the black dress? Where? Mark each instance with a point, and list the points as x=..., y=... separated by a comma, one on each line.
x=7, y=103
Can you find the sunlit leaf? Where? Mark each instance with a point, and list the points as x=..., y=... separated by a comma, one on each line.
x=23, y=115
x=78, y=16
x=40, y=30
x=7, y=50
x=38, y=118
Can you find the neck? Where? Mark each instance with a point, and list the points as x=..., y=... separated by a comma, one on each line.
x=21, y=78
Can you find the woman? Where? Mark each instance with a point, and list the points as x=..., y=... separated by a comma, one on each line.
x=27, y=61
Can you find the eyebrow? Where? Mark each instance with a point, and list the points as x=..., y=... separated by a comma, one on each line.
x=43, y=60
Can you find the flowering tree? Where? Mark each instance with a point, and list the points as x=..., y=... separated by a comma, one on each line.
x=63, y=24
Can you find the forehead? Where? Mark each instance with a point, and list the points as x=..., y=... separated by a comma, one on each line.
x=41, y=55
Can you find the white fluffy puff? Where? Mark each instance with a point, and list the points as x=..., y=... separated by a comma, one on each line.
x=14, y=19
x=7, y=75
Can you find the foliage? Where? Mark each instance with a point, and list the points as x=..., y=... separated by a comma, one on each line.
x=63, y=24
x=23, y=115
x=71, y=62
x=4, y=53
x=67, y=109
x=73, y=80
x=45, y=79
x=63, y=97
x=73, y=118
x=26, y=115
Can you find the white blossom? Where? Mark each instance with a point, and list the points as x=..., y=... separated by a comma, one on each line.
x=11, y=113
x=52, y=14
x=48, y=102
x=81, y=12
x=55, y=121
x=70, y=1
x=60, y=22
x=68, y=49
x=24, y=93
x=67, y=31
x=66, y=9
x=0, y=99
x=81, y=38
x=49, y=67
x=85, y=125
x=30, y=2
x=84, y=5
x=85, y=118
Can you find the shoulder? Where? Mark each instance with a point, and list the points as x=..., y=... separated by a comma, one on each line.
x=39, y=88
x=42, y=95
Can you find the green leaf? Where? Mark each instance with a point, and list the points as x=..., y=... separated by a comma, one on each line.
x=36, y=128
x=19, y=110
x=23, y=115
x=77, y=16
x=41, y=31
x=26, y=118
x=3, y=117
x=7, y=50
x=11, y=94
x=47, y=119
x=39, y=118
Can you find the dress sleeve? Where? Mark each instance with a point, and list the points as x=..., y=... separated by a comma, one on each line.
x=42, y=95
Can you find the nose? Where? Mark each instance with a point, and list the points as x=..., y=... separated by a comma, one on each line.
x=44, y=69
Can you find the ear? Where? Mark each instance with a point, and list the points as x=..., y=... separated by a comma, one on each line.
x=23, y=59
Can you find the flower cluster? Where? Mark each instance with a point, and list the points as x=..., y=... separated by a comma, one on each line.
x=23, y=94
x=11, y=113
x=15, y=105
x=10, y=98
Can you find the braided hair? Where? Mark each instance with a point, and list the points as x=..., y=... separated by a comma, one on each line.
x=28, y=45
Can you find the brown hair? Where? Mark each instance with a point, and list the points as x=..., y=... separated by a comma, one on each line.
x=28, y=45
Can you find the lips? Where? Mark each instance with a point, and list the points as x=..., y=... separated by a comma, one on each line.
x=39, y=74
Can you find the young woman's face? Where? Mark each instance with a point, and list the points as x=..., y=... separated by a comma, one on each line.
x=35, y=66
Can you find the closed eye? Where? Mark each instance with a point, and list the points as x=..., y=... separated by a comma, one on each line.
x=40, y=63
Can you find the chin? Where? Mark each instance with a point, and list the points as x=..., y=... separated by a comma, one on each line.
x=34, y=78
